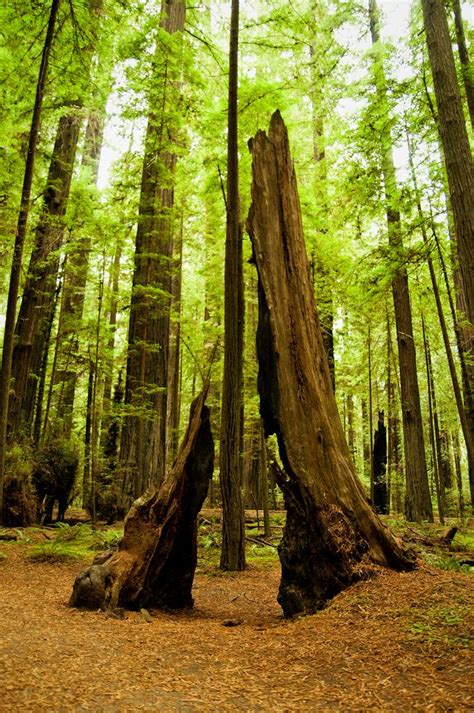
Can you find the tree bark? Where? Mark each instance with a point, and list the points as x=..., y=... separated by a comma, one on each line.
x=350, y=426
x=434, y=429
x=108, y=404
x=394, y=444
x=143, y=445
x=365, y=440
x=417, y=496
x=233, y=531
x=465, y=411
x=174, y=367
x=36, y=309
x=157, y=557
x=330, y=527
x=466, y=67
x=15, y=273
x=457, y=152
x=457, y=468
x=75, y=281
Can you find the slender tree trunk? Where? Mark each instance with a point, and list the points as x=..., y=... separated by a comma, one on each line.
x=394, y=444
x=8, y=338
x=86, y=478
x=371, y=415
x=466, y=67
x=72, y=303
x=457, y=468
x=365, y=440
x=38, y=421
x=464, y=343
x=417, y=497
x=175, y=352
x=143, y=444
x=439, y=481
x=350, y=426
x=457, y=152
x=431, y=413
x=233, y=530
x=107, y=404
x=462, y=411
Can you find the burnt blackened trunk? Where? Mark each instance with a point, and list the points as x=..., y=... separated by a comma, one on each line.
x=381, y=493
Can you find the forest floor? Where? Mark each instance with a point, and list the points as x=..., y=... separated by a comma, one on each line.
x=395, y=642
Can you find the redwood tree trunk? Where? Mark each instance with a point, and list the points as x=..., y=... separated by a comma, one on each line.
x=143, y=445
x=330, y=527
x=417, y=496
x=466, y=67
x=36, y=309
x=457, y=152
x=8, y=338
x=233, y=531
x=75, y=280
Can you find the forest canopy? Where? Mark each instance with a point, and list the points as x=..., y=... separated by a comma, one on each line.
x=126, y=275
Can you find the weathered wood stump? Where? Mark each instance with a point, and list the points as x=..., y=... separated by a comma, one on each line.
x=156, y=560
x=330, y=529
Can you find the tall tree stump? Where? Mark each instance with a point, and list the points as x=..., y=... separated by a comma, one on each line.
x=330, y=529
x=379, y=461
x=157, y=558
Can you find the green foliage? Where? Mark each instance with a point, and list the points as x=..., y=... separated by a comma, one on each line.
x=19, y=506
x=441, y=560
x=313, y=62
x=73, y=542
x=54, y=552
x=440, y=625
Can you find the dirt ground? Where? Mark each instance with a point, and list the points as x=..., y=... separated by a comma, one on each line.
x=398, y=642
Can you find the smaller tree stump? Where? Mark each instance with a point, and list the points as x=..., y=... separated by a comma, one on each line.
x=156, y=560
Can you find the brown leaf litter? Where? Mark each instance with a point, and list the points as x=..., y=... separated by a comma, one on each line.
x=398, y=642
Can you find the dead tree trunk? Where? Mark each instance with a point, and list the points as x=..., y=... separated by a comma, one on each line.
x=381, y=494
x=330, y=527
x=156, y=561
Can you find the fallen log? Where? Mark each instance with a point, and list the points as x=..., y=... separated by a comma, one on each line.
x=330, y=528
x=156, y=560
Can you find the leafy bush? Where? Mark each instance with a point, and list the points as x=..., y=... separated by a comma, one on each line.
x=19, y=504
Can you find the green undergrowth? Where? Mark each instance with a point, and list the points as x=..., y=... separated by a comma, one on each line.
x=440, y=625
x=65, y=543
x=426, y=539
